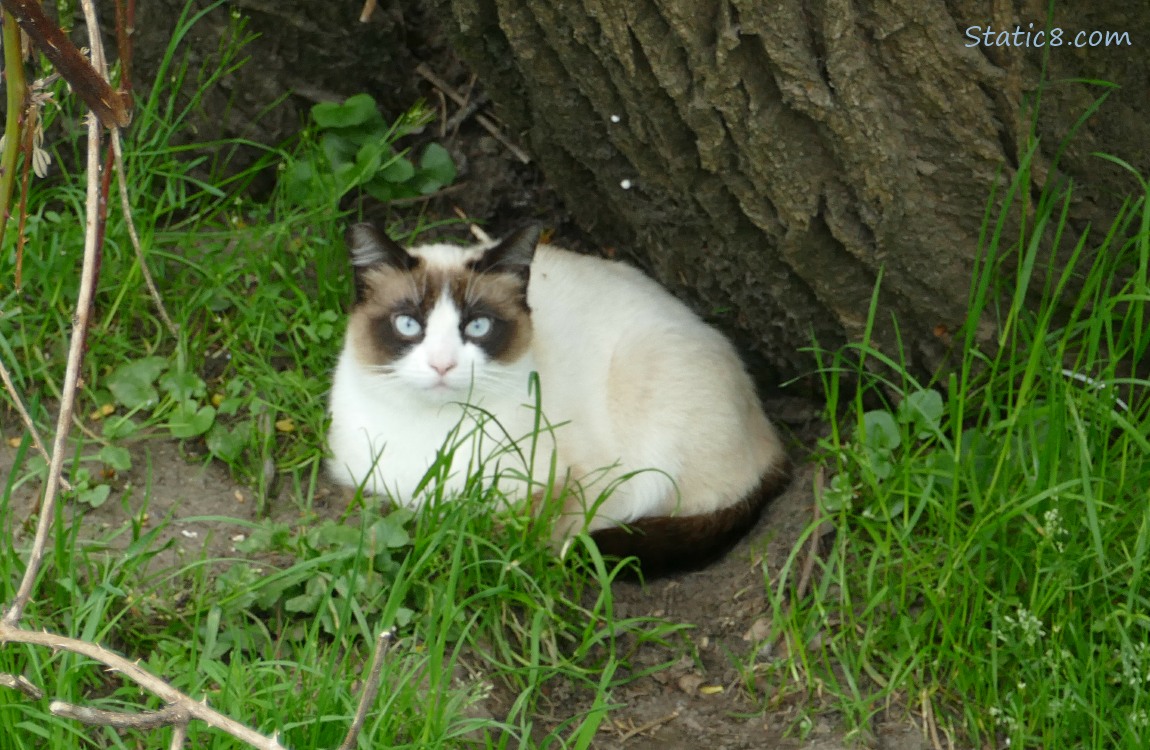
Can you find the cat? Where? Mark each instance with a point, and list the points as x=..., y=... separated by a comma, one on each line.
x=657, y=443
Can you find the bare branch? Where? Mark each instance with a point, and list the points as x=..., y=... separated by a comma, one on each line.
x=484, y=121
x=824, y=527
x=111, y=107
x=179, y=736
x=368, y=9
x=168, y=716
x=25, y=417
x=370, y=689
x=145, y=679
x=71, y=377
x=126, y=209
x=21, y=683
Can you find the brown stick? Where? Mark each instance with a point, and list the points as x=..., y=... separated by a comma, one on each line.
x=368, y=9
x=166, y=716
x=370, y=690
x=26, y=418
x=71, y=381
x=21, y=683
x=653, y=724
x=822, y=529
x=113, y=108
x=133, y=235
x=484, y=121
x=194, y=709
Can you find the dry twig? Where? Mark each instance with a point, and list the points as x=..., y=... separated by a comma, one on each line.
x=370, y=689
x=653, y=724
x=126, y=208
x=368, y=9
x=176, y=700
x=112, y=108
x=824, y=527
x=26, y=418
x=21, y=683
x=484, y=121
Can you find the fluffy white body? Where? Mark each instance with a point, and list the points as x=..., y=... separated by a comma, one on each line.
x=634, y=383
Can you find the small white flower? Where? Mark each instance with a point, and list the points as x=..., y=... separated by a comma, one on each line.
x=626, y=184
x=616, y=118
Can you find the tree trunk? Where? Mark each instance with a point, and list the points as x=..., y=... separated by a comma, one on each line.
x=766, y=159
x=769, y=160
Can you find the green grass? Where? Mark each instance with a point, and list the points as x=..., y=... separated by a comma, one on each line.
x=278, y=637
x=992, y=528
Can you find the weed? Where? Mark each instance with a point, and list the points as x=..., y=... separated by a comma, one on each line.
x=993, y=527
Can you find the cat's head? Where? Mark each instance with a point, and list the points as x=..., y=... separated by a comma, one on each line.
x=439, y=320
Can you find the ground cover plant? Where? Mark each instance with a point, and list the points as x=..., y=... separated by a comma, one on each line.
x=988, y=565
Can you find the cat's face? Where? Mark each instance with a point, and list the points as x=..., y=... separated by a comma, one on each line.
x=438, y=321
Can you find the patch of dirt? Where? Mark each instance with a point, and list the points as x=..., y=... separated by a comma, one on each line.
x=702, y=701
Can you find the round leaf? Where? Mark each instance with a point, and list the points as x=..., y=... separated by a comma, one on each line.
x=132, y=384
x=436, y=164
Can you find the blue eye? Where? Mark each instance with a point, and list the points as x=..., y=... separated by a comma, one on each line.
x=406, y=326
x=477, y=328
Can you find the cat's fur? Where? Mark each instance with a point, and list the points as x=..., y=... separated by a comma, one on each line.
x=634, y=383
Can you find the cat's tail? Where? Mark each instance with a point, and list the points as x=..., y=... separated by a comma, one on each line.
x=671, y=544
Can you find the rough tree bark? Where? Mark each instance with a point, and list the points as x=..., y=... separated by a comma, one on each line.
x=780, y=154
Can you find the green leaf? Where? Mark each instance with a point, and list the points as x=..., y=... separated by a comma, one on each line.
x=368, y=159
x=304, y=603
x=116, y=457
x=132, y=383
x=355, y=110
x=94, y=496
x=880, y=431
x=190, y=419
x=182, y=385
x=229, y=444
x=436, y=163
x=333, y=535
x=382, y=190
x=922, y=410
x=398, y=170
x=346, y=177
x=118, y=428
x=338, y=149
x=838, y=494
x=387, y=534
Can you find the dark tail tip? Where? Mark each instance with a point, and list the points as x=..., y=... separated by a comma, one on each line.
x=676, y=544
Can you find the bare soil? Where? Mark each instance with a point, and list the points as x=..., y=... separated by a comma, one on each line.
x=720, y=694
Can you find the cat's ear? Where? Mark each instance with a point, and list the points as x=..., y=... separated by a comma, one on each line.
x=370, y=247
x=513, y=254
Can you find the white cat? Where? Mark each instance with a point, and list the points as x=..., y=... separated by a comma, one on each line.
x=656, y=423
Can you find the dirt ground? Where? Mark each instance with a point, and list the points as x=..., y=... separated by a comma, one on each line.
x=701, y=703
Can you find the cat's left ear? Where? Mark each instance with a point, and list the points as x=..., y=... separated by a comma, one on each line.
x=513, y=254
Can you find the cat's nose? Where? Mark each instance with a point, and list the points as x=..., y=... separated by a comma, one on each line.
x=443, y=367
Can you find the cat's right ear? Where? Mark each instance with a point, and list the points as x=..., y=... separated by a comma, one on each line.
x=370, y=247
